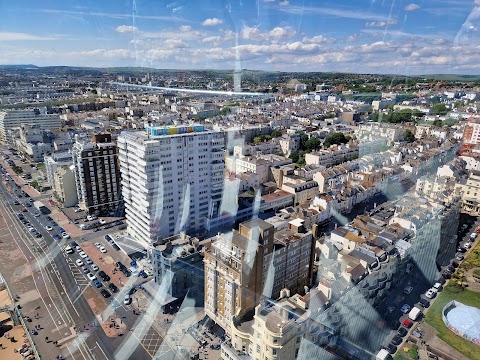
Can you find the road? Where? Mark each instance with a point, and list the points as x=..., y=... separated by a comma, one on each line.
x=60, y=292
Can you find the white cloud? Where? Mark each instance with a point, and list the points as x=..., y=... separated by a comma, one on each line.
x=412, y=7
x=175, y=44
x=212, y=40
x=185, y=28
x=126, y=29
x=280, y=32
x=319, y=39
x=212, y=22
x=17, y=36
x=352, y=38
x=380, y=23
x=285, y=3
x=336, y=12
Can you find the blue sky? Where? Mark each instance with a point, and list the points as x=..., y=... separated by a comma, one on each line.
x=374, y=36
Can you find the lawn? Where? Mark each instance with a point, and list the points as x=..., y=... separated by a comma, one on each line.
x=473, y=258
x=434, y=318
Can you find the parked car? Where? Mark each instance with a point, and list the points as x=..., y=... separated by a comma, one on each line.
x=105, y=293
x=408, y=290
x=97, y=283
x=405, y=308
x=446, y=274
x=85, y=270
x=88, y=261
x=94, y=267
x=126, y=272
x=82, y=254
x=113, y=287
x=392, y=349
x=430, y=293
x=397, y=340
x=102, y=249
x=127, y=300
x=48, y=228
x=437, y=287
x=402, y=331
x=424, y=302
x=79, y=262
x=104, y=276
x=459, y=257
x=97, y=244
x=91, y=276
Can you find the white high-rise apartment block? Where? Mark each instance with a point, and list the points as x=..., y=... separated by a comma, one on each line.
x=172, y=179
x=10, y=119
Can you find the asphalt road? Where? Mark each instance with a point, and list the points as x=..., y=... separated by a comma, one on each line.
x=60, y=293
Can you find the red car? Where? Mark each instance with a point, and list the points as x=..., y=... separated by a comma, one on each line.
x=24, y=209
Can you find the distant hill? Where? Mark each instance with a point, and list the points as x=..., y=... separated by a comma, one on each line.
x=26, y=66
x=451, y=77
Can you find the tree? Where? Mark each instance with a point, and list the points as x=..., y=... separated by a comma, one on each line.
x=294, y=155
x=34, y=184
x=336, y=138
x=312, y=144
x=277, y=133
x=439, y=109
x=408, y=136
x=226, y=110
x=257, y=139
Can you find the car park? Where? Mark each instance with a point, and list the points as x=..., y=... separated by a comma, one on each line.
x=97, y=283
x=82, y=254
x=127, y=300
x=430, y=293
x=113, y=287
x=405, y=308
x=105, y=293
x=91, y=276
x=79, y=262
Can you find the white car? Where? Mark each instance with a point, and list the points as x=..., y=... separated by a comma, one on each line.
x=91, y=276
x=48, y=228
x=82, y=254
x=473, y=235
x=65, y=235
x=94, y=267
x=78, y=248
x=98, y=245
x=37, y=214
x=101, y=221
x=102, y=249
x=91, y=217
x=79, y=262
x=405, y=308
x=127, y=300
x=430, y=293
x=78, y=210
x=68, y=249
x=468, y=245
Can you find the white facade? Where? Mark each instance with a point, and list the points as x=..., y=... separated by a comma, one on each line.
x=375, y=131
x=10, y=119
x=171, y=183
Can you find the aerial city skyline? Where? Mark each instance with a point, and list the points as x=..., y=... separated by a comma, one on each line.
x=240, y=180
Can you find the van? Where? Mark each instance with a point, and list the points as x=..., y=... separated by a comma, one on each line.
x=383, y=355
x=414, y=313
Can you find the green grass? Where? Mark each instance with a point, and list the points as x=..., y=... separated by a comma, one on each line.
x=472, y=260
x=400, y=355
x=434, y=318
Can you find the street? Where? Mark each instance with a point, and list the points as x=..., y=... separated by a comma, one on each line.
x=64, y=315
